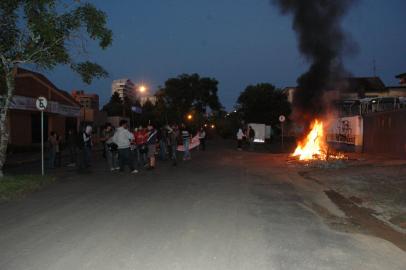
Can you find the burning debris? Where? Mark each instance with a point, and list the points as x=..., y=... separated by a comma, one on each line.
x=314, y=146
x=323, y=42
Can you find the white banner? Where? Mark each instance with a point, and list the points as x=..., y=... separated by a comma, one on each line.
x=193, y=144
x=347, y=130
x=28, y=104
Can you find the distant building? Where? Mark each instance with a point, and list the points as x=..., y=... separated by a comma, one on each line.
x=86, y=100
x=151, y=99
x=362, y=87
x=289, y=92
x=89, y=109
x=124, y=88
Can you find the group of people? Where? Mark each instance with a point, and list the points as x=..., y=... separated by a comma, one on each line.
x=247, y=135
x=122, y=147
x=138, y=148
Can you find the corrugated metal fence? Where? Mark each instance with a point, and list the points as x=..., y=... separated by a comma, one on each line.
x=385, y=132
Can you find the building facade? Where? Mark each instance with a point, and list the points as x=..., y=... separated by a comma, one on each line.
x=86, y=100
x=24, y=120
x=124, y=88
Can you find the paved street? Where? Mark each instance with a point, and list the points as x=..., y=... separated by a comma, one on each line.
x=224, y=209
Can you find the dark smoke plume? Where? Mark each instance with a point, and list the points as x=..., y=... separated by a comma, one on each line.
x=323, y=42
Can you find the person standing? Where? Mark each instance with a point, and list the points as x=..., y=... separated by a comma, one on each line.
x=173, y=134
x=186, y=143
x=122, y=137
x=110, y=147
x=52, y=143
x=240, y=137
x=71, y=143
x=141, y=140
x=163, y=143
x=87, y=146
x=202, y=139
x=151, y=142
x=251, y=137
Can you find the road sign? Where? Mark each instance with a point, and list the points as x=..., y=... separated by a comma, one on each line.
x=282, y=118
x=41, y=103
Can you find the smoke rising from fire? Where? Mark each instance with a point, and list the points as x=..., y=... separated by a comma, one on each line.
x=323, y=42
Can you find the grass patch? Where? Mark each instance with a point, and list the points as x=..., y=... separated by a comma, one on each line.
x=15, y=187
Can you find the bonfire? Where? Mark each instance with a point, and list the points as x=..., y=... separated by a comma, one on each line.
x=314, y=146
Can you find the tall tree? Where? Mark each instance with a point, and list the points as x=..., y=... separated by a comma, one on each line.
x=263, y=103
x=45, y=33
x=187, y=93
x=115, y=106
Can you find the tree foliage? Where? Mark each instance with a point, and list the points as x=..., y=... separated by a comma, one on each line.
x=37, y=32
x=114, y=107
x=262, y=103
x=46, y=33
x=188, y=93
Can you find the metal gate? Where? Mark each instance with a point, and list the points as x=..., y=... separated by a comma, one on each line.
x=385, y=132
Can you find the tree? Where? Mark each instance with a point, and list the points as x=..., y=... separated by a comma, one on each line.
x=188, y=93
x=45, y=33
x=115, y=106
x=262, y=103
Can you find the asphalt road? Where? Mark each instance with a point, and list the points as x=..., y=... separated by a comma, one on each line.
x=224, y=209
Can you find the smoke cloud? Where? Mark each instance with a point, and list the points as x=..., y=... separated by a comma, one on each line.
x=322, y=41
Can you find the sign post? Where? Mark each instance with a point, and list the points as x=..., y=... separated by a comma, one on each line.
x=41, y=105
x=282, y=119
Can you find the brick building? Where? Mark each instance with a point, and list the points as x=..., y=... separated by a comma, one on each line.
x=86, y=100
x=24, y=119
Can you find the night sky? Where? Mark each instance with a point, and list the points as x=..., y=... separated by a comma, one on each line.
x=238, y=42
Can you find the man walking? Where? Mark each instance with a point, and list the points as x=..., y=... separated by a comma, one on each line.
x=122, y=137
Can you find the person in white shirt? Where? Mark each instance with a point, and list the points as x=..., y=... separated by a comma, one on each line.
x=202, y=139
x=122, y=137
x=240, y=137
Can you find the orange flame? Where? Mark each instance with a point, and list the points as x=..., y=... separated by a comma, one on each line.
x=314, y=146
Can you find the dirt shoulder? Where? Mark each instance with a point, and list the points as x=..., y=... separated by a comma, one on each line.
x=371, y=191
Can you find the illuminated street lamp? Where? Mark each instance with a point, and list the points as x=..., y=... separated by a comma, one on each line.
x=142, y=89
x=189, y=117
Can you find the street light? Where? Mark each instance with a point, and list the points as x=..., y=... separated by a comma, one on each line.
x=142, y=89
x=189, y=117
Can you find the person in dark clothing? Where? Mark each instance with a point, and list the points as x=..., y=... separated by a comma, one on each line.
x=163, y=143
x=151, y=142
x=251, y=137
x=85, y=147
x=202, y=139
x=173, y=134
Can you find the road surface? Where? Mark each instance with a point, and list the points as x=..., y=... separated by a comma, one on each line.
x=224, y=209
